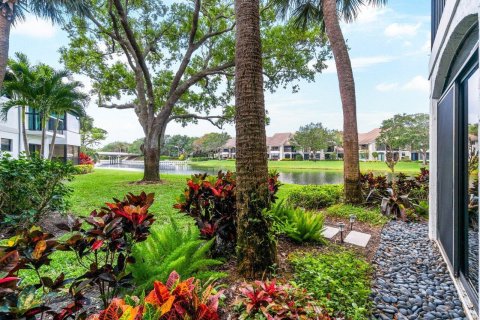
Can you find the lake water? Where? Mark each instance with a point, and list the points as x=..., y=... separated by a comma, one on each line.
x=286, y=176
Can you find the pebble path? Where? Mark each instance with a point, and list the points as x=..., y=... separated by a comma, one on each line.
x=411, y=279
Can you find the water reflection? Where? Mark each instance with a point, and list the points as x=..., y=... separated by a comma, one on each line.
x=295, y=177
x=473, y=109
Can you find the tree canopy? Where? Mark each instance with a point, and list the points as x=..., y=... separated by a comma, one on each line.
x=210, y=143
x=314, y=137
x=175, y=62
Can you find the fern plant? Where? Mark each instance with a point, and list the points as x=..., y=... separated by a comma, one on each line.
x=296, y=223
x=172, y=248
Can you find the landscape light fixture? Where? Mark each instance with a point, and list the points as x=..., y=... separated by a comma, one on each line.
x=352, y=221
x=341, y=226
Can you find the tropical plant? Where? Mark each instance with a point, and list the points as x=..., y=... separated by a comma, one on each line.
x=175, y=299
x=269, y=300
x=32, y=250
x=328, y=14
x=398, y=197
x=296, y=223
x=64, y=98
x=31, y=188
x=44, y=90
x=107, y=243
x=172, y=248
x=312, y=197
x=340, y=281
x=12, y=11
x=211, y=201
x=85, y=159
x=17, y=89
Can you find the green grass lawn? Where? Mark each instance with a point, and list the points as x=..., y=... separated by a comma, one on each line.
x=406, y=167
x=91, y=191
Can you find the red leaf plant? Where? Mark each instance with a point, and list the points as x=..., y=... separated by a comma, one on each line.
x=173, y=300
x=211, y=201
x=277, y=302
x=108, y=241
x=85, y=159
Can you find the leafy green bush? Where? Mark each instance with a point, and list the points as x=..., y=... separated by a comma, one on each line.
x=314, y=197
x=198, y=159
x=169, y=248
x=296, y=223
x=32, y=187
x=298, y=157
x=340, y=281
x=84, y=168
x=368, y=215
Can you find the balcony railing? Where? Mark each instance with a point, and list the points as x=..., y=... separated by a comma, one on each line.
x=437, y=11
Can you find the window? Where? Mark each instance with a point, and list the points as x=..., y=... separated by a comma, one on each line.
x=6, y=144
x=275, y=149
x=34, y=121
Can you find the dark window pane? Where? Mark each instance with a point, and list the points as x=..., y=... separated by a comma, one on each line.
x=6, y=144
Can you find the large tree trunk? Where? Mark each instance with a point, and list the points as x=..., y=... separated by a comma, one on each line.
x=151, y=156
x=353, y=193
x=255, y=248
x=52, y=144
x=24, y=133
x=4, y=44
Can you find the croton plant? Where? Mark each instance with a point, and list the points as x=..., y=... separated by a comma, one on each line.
x=273, y=301
x=31, y=250
x=211, y=201
x=173, y=300
x=107, y=241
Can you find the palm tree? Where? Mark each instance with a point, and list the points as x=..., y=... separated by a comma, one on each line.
x=328, y=13
x=255, y=248
x=65, y=98
x=12, y=11
x=19, y=89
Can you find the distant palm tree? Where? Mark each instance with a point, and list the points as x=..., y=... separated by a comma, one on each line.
x=19, y=90
x=65, y=98
x=256, y=251
x=328, y=13
x=12, y=11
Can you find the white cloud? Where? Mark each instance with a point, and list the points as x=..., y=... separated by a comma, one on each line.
x=418, y=83
x=360, y=63
x=401, y=30
x=385, y=87
x=370, y=14
x=426, y=47
x=35, y=28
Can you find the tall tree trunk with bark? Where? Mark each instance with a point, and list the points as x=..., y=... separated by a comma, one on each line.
x=24, y=132
x=255, y=248
x=151, y=156
x=353, y=192
x=4, y=45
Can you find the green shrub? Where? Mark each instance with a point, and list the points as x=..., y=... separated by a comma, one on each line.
x=84, y=168
x=368, y=215
x=314, y=197
x=31, y=188
x=169, y=248
x=296, y=223
x=181, y=157
x=340, y=281
x=298, y=157
x=198, y=159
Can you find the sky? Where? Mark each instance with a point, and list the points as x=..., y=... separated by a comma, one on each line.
x=389, y=49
